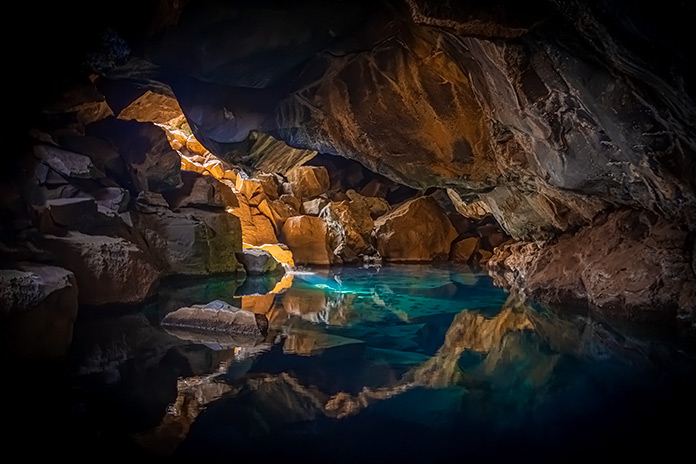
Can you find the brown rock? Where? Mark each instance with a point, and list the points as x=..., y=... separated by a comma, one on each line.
x=257, y=228
x=291, y=200
x=271, y=185
x=192, y=241
x=418, y=230
x=38, y=307
x=308, y=181
x=218, y=316
x=349, y=223
x=151, y=107
x=308, y=239
x=376, y=206
x=464, y=249
x=108, y=270
x=201, y=190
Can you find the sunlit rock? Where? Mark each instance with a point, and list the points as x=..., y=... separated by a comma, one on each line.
x=271, y=185
x=257, y=228
x=308, y=181
x=314, y=207
x=308, y=239
x=151, y=107
x=350, y=226
x=200, y=190
x=416, y=231
x=279, y=251
x=192, y=241
x=39, y=305
x=108, y=270
x=377, y=206
x=259, y=304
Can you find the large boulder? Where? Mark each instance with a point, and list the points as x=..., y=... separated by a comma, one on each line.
x=192, y=241
x=39, y=305
x=308, y=239
x=308, y=181
x=350, y=225
x=68, y=164
x=256, y=221
x=201, y=190
x=418, y=230
x=108, y=270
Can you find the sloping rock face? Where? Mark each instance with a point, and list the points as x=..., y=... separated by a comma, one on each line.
x=308, y=239
x=416, y=231
x=39, y=305
x=626, y=264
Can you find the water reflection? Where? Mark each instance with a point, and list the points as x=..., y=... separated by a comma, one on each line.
x=408, y=361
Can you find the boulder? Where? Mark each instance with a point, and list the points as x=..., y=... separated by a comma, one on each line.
x=154, y=165
x=271, y=185
x=192, y=241
x=314, y=207
x=67, y=163
x=39, y=306
x=151, y=107
x=308, y=239
x=111, y=198
x=291, y=200
x=257, y=227
x=201, y=190
x=218, y=316
x=350, y=224
x=376, y=206
x=464, y=249
x=251, y=189
x=258, y=262
x=108, y=270
x=104, y=156
x=418, y=230
x=308, y=181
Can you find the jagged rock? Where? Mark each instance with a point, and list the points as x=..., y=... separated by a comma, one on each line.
x=218, y=316
x=271, y=185
x=464, y=249
x=200, y=190
x=38, y=305
x=350, y=225
x=281, y=211
x=151, y=107
x=259, y=262
x=68, y=164
x=314, y=207
x=155, y=166
x=71, y=212
x=291, y=200
x=418, y=230
x=491, y=235
x=112, y=198
x=377, y=206
x=308, y=239
x=628, y=264
x=192, y=241
x=108, y=270
x=257, y=227
x=104, y=156
x=82, y=102
x=308, y=181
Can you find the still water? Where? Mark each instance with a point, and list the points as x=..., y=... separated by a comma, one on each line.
x=398, y=364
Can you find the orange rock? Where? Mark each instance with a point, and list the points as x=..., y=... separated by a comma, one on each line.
x=309, y=181
x=195, y=146
x=463, y=250
x=258, y=304
x=418, y=230
x=152, y=107
x=252, y=189
x=308, y=239
x=257, y=229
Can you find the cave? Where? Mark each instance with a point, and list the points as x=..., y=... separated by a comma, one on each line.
x=372, y=231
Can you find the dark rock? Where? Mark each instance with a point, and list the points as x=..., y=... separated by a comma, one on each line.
x=258, y=262
x=218, y=316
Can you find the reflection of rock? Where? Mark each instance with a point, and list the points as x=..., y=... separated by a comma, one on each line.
x=108, y=270
x=308, y=239
x=418, y=230
x=259, y=284
x=218, y=316
x=310, y=343
x=39, y=305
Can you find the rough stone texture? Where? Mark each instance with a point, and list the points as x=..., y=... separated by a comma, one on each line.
x=350, y=225
x=155, y=166
x=377, y=206
x=192, y=241
x=218, y=316
x=256, y=221
x=308, y=239
x=201, y=190
x=151, y=107
x=108, y=270
x=314, y=207
x=416, y=231
x=308, y=181
x=259, y=262
x=67, y=163
x=39, y=305
x=629, y=264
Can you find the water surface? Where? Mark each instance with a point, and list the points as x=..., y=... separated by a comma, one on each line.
x=398, y=364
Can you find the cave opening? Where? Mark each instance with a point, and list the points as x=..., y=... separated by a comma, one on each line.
x=395, y=230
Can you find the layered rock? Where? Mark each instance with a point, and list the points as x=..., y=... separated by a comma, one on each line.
x=218, y=316
x=416, y=231
x=39, y=305
x=108, y=270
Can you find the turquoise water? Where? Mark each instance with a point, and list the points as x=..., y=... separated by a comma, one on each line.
x=399, y=364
